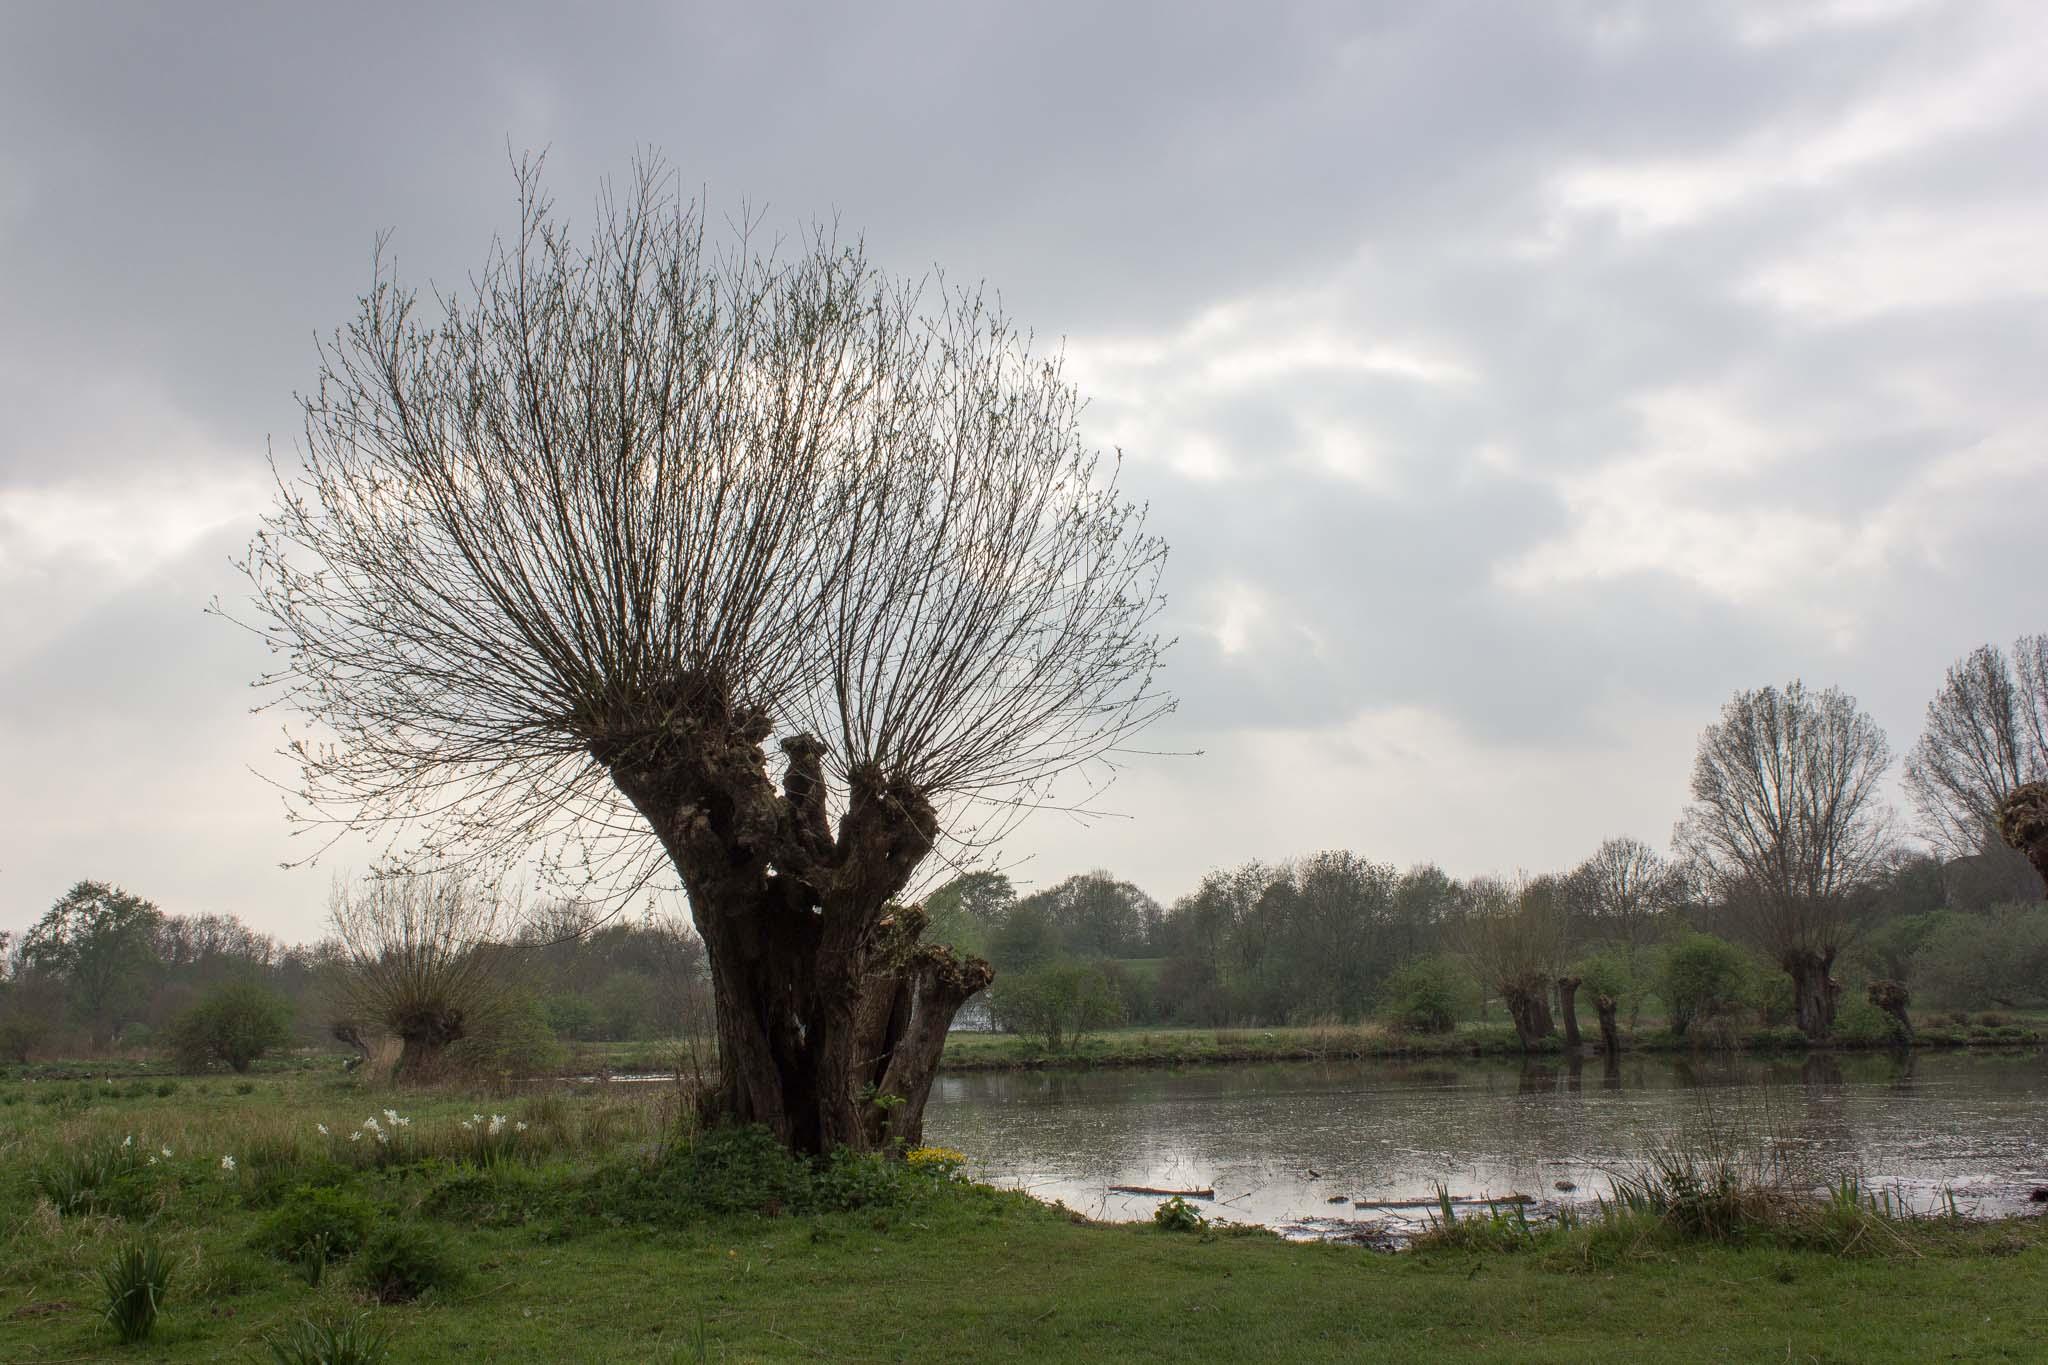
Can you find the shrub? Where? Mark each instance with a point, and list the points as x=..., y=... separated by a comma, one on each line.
x=1178, y=1215
x=314, y=1226
x=728, y=1171
x=1060, y=1002
x=135, y=1281
x=1999, y=958
x=1701, y=977
x=1857, y=1021
x=233, y=1025
x=353, y=1342
x=514, y=1041
x=1428, y=995
x=401, y=1261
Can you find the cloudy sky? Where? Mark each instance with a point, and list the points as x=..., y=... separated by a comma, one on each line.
x=1513, y=382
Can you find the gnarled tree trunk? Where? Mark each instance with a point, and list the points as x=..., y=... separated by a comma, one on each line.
x=1814, y=992
x=1568, y=1007
x=1529, y=1007
x=830, y=1013
x=1610, y=1035
x=2023, y=824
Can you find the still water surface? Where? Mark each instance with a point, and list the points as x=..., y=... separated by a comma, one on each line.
x=1296, y=1145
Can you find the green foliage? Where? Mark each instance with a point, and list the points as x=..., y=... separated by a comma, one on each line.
x=625, y=1005
x=1502, y=1227
x=732, y=1171
x=569, y=1016
x=235, y=1024
x=1860, y=1023
x=336, y=1342
x=516, y=1042
x=1429, y=995
x=315, y=1225
x=110, y=1178
x=1999, y=958
x=1701, y=976
x=135, y=1281
x=1060, y=1003
x=1178, y=1215
x=402, y=1260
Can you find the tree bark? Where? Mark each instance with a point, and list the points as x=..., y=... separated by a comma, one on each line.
x=2023, y=824
x=830, y=1013
x=1610, y=1035
x=1814, y=992
x=1530, y=1012
x=1568, y=1007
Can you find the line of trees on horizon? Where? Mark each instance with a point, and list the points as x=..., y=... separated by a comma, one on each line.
x=1787, y=874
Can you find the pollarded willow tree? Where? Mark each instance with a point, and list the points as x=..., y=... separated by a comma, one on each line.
x=571, y=550
x=1788, y=825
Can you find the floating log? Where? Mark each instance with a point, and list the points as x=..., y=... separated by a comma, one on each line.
x=1150, y=1189
x=1456, y=1199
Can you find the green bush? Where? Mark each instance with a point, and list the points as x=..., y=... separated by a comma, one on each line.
x=516, y=1042
x=1859, y=1022
x=1178, y=1215
x=313, y=1226
x=1061, y=1002
x=729, y=1171
x=1967, y=961
x=1701, y=977
x=135, y=1281
x=402, y=1260
x=1428, y=995
x=232, y=1026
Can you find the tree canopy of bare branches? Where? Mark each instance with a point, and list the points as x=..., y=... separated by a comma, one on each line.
x=1788, y=824
x=423, y=959
x=1625, y=888
x=569, y=548
x=1986, y=735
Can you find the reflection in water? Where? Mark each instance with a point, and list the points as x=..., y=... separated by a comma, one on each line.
x=1287, y=1144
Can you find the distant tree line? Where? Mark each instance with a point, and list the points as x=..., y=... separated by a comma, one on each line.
x=106, y=970
x=1790, y=899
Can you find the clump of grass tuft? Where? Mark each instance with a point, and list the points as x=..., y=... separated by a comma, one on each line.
x=1500, y=1228
x=354, y=1342
x=135, y=1282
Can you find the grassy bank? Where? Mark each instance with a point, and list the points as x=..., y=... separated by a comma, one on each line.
x=1189, y=1047
x=590, y=1234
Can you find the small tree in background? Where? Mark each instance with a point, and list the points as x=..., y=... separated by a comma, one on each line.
x=1061, y=1002
x=423, y=959
x=233, y=1026
x=1701, y=977
x=1787, y=823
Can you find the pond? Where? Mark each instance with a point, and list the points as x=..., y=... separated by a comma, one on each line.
x=1318, y=1149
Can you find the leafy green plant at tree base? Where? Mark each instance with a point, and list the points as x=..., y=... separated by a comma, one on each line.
x=1178, y=1215
x=402, y=1261
x=353, y=1342
x=135, y=1282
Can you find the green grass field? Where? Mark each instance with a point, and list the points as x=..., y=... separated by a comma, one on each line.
x=572, y=1245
